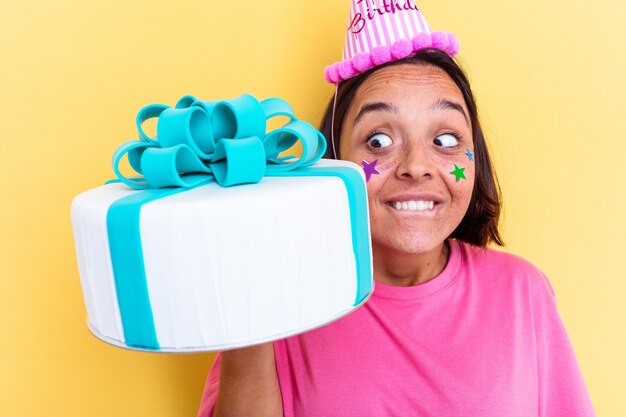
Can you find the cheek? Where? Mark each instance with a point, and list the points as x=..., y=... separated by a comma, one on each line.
x=375, y=171
x=384, y=166
x=376, y=182
x=459, y=176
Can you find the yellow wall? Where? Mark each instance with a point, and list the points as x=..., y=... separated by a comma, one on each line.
x=549, y=78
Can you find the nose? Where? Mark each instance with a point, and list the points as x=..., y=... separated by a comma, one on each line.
x=415, y=162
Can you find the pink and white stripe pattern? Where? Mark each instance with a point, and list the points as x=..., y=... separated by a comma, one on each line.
x=381, y=31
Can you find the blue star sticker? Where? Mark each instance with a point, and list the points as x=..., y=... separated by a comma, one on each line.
x=470, y=155
x=369, y=169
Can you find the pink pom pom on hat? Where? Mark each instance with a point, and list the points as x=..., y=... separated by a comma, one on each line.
x=380, y=31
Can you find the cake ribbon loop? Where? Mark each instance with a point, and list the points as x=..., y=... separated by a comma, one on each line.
x=226, y=141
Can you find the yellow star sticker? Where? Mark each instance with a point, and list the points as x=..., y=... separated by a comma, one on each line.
x=458, y=173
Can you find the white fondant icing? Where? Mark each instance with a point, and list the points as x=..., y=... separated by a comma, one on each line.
x=89, y=214
x=227, y=267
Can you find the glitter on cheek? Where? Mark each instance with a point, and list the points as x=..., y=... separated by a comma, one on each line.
x=384, y=166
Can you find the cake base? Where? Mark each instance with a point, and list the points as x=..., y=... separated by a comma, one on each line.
x=215, y=268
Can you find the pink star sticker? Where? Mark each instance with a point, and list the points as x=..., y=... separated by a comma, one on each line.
x=369, y=169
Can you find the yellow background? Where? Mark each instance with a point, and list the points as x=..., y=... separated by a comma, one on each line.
x=550, y=82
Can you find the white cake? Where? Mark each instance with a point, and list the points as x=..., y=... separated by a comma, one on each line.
x=224, y=267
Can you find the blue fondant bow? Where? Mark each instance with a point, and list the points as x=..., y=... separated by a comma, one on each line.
x=197, y=141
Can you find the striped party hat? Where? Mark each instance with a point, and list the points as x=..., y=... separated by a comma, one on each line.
x=381, y=31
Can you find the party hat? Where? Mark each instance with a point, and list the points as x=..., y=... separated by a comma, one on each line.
x=381, y=31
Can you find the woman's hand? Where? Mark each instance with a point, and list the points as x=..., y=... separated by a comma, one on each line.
x=249, y=383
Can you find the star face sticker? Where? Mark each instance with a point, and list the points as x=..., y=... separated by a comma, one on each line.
x=458, y=172
x=369, y=169
x=469, y=154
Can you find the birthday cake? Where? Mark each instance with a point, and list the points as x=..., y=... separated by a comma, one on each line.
x=221, y=241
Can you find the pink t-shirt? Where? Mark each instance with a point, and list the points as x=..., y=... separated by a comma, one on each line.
x=483, y=338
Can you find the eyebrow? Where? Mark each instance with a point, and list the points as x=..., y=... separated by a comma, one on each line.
x=372, y=107
x=445, y=104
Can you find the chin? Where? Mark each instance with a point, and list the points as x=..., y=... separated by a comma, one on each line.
x=410, y=246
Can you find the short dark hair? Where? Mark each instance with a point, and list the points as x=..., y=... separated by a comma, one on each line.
x=480, y=223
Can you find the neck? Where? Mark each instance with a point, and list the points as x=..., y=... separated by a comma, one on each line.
x=403, y=270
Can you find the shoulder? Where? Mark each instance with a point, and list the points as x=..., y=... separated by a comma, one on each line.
x=490, y=258
x=496, y=267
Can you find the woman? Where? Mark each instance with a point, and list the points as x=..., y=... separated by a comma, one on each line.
x=453, y=328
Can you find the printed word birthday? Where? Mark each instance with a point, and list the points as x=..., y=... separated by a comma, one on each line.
x=373, y=10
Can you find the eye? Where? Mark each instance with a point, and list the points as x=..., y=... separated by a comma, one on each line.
x=447, y=140
x=379, y=140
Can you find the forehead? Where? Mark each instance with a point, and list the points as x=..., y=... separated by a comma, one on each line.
x=407, y=85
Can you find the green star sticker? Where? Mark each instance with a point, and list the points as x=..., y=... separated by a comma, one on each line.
x=458, y=173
